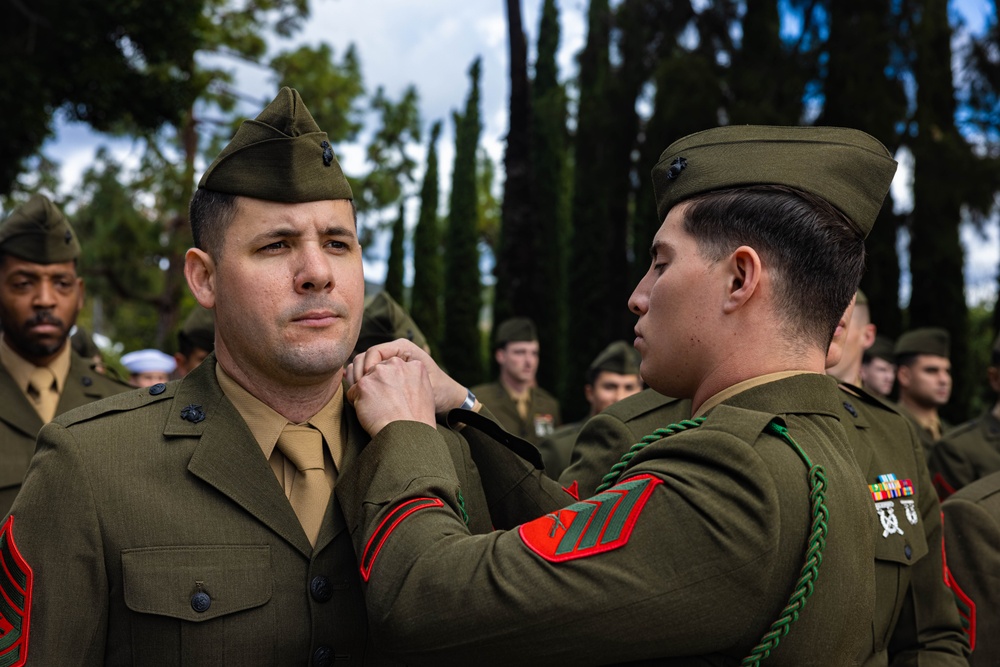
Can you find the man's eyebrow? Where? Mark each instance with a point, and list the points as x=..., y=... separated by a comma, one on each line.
x=657, y=247
x=339, y=230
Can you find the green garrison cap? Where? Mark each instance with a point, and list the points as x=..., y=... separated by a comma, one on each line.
x=848, y=168
x=281, y=155
x=618, y=357
x=862, y=299
x=882, y=348
x=83, y=343
x=198, y=329
x=385, y=320
x=39, y=232
x=514, y=330
x=929, y=340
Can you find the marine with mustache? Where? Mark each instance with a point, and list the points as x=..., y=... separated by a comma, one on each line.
x=41, y=295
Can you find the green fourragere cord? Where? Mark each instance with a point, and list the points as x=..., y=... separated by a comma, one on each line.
x=817, y=534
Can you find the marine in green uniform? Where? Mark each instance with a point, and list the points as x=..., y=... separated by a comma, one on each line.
x=385, y=320
x=611, y=376
x=970, y=451
x=923, y=376
x=521, y=407
x=859, y=335
x=878, y=367
x=40, y=298
x=972, y=543
x=692, y=555
x=192, y=523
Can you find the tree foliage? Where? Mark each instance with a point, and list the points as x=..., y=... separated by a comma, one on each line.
x=428, y=267
x=463, y=299
x=397, y=257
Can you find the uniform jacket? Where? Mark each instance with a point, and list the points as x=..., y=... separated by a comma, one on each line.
x=972, y=543
x=686, y=561
x=606, y=436
x=966, y=453
x=915, y=618
x=543, y=411
x=557, y=448
x=927, y=438
x=157, y=534
x=20, y=424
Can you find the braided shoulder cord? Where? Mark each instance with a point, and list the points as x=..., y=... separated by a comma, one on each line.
x=461, y=506
x=814, y=555
x=617, y=469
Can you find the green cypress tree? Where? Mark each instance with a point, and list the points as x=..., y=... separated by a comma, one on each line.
x=863, y=90
x=549, y=164
x=397, y=255
x=428, y=267
x=588, y=279
x=518, y=288
x=942, y=184
x=461, y=352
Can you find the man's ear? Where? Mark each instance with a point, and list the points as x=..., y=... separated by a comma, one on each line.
x=868, y=337
x=744, y=272
x=903, y=376
x=199, y=269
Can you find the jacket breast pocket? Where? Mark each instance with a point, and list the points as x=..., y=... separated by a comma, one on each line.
x=895, y=555
x=200, y=605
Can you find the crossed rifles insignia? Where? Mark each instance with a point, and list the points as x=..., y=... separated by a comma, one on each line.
x=884, y=492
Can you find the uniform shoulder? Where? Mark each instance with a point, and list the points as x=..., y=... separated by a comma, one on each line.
x=544, y=395
x=963, y=429
x=486, y=389
x=647, y=401
x=120, y=402
x=868, y=399
x=566, y=431
x=977, y=491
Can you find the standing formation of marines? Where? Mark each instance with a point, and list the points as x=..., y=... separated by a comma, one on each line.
x=316, y=490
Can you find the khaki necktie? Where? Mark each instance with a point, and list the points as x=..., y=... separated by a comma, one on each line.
x=42, y=389
x=310, y=492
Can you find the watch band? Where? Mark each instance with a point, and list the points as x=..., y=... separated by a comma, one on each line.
x=470, y=401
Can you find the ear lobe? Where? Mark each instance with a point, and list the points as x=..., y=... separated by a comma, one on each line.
x=744, y=267
x=199, y=270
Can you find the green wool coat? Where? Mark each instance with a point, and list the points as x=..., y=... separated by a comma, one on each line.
x=156, y=534
x=543, y=411
x=966, y=453
x=915, y=617
x=20, y=424
x=972, y=542
x=687, y=561
x=557, y=448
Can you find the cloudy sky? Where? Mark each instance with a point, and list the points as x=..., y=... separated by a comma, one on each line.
x=431, y=44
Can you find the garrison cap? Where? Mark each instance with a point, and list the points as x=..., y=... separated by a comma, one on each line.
x=848, y=168
x=928, y=340
x=148, y=361
x=618, y=357
x=861, y=299
x=38, y=232
x=198, y=329
x=514, y=330
x=281, y=156
x=385, y=320
x=882, y=348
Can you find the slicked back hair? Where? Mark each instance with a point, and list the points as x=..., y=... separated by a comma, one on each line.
x=815, y=257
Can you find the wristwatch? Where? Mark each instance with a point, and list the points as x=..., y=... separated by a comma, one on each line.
x=469, y=402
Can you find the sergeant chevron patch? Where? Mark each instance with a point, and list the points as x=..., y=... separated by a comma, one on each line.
x=15, y=600
x=592, y=526
x=388, y=524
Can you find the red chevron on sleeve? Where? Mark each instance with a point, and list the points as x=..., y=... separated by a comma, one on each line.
x=389, y=524
x=16, y=581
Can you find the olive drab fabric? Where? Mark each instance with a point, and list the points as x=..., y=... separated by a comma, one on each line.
x=915, y=619
x=514, y=330
x=557, y=449
x=607, y=436
x=882, y=348
x=158, y=534
x=618, y=357
x=965, y=454
x=281, y=156
x=927, y=340
x=20, y=423
x=972, y=542
x=702, y=546
x=38, y=231
x=385, y=320
x=848, y=168
x=540, y=420
x=198, y=329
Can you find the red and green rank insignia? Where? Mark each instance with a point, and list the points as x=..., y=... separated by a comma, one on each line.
x=15, y=600
x=592, y=526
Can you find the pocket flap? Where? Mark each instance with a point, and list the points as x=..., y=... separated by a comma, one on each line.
x=905, y=549
x=196, y=583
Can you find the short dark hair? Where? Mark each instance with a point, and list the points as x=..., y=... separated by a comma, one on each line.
x=816, y=255
x=211, y=214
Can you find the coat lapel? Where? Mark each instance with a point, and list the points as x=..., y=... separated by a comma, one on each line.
x=227, y=456
x=17, y=412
